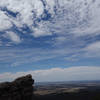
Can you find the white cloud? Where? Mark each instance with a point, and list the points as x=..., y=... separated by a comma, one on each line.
x=12, y=36
x=58, y=74
x=93, y=50
x=5, y=22
x=25, y=9
x=72, y=57
x=79, y=17
x=42, y=30
x=60, y=39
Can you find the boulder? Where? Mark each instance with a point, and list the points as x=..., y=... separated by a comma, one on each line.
x=19, y=89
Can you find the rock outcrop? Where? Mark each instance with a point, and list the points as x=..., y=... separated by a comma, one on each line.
x=20, y=89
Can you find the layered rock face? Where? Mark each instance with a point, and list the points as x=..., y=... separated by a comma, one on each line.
x=20, y=89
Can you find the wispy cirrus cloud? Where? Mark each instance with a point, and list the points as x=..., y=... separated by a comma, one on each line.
x=17, y=57
x=93, y=49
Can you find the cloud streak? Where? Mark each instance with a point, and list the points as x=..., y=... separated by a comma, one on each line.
x=12, y=36
x=58, y=74
x=93, y=49
x=17, y=57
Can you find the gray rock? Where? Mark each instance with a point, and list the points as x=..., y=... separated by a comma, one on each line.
x=19, y=89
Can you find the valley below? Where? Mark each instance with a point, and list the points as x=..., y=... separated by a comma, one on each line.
x=84, y=90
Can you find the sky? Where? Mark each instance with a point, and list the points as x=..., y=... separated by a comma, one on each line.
x=54, y=40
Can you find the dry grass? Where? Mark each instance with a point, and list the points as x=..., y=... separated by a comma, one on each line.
x=58, y=90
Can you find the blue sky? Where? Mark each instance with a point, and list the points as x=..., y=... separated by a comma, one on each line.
x=49, y=35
